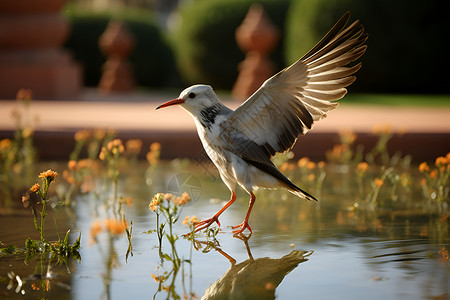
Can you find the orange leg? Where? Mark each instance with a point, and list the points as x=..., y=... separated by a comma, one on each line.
x=244, y=224
x=206, y=223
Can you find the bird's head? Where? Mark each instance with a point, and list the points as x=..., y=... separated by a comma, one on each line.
x=194, y=99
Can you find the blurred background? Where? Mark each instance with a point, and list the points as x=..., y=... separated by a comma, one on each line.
x=182, y=42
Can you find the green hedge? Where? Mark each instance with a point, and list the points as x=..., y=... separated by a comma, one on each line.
x=152, y=59
x=204, y=39
x=406, y=44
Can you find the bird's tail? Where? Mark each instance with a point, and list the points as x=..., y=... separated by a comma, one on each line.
x=302, y=194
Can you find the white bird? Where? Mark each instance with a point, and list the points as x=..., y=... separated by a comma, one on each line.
x=241, y=143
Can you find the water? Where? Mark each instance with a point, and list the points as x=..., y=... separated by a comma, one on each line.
x=298, y=250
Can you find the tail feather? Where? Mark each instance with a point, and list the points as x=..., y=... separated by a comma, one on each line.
x=302, y=194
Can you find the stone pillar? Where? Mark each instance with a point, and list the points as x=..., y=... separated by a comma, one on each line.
x=31, y=35
x=257, y=37
x=116, y=43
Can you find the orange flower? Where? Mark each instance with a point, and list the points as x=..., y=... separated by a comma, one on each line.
x=82, y=135
x=116, y=226
x=302, y=162
x=311, y=165
x=133, y=146
x=155, y=146
x=5, y=144
x=35, y=188
x=423, y=167
x=72, y=164
x=362, y=167
x=102, y=154
x=433, y=173
x=156, y=201
x=96, y=228
x=24, y=94
x=115, y=146
x=49, y=174
x=378, y=182
x=321, y=164
x=182, y=200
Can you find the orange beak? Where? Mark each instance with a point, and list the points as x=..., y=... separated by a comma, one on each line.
x=177, y=101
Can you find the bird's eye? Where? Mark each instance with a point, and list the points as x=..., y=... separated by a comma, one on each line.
x=191, y=95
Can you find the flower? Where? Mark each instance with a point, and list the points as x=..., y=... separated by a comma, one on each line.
x=49, y=174
x=72, y=164
x=182, y=200
x=96, y=228
x=423, y=167
x=362, y=167
x=321, y=164
x=155, y=146
x=302, y=162
x=26, y=200
x=378, y=182
x=155, y=201
x=115, y=146
x=102, y=155
x=190, y=221
x=116, y=226
x=24, y=94
x=5, y=144
x=133, y=146
x=311, y=165
x=82, y=135
x=35, y=188
x=433, y=173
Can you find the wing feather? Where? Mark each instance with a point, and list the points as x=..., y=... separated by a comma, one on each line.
x=288, y=104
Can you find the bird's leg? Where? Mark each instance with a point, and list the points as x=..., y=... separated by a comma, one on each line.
x=244, y=224
x=206, y=223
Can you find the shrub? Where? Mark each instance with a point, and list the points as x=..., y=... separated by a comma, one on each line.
x=405, y=45
x=152, y=58
x=205, y=43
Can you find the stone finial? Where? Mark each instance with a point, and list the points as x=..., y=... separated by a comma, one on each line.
x=116, y=43
x=257, y=37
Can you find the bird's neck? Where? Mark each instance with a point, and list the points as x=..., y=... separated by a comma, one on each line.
x=207, y=116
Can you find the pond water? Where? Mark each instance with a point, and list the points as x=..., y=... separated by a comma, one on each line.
x=298, y=250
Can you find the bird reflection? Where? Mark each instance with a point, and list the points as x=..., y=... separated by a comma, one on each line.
x=254, y=278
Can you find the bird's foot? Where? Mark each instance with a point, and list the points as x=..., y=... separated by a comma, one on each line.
x=244, y=225
x=206, y=223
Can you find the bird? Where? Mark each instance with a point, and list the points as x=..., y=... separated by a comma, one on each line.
x=241, y=142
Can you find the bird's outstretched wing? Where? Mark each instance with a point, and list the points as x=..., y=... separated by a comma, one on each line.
x=289, y=103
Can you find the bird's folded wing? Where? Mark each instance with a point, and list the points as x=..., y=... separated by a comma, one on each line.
x=289, y=103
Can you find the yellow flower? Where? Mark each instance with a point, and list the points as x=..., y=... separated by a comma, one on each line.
x=49, y=174
x=35, y=188
x=378, y=182
x=423, y=167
